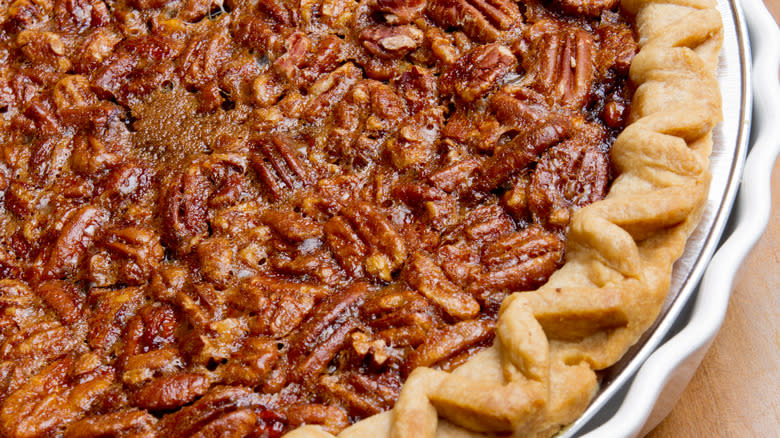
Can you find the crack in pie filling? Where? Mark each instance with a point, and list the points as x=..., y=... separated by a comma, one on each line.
x=377, y=218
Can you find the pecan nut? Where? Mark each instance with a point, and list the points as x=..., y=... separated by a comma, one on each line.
x=64, y=298
x=77, y=15
x=126, y=422
x=280, y=166
x=519, y=261
x=481, y=20
x=44, y=48
x=569, y=175
x=475, y=73
x=208, y=181
x=334, y=13
x=362, y=121
x=520, y=152
x=223, y=410
x=425, y=276
x=77, y=235
x=281, y=305
x=49, y=400
x=399, y=11
x=379, y=244
x=330, y=418
x=447, y=342
x=415, y=142
x=329, y=90
x=203, y=57
x=132, y=256
x=325, y=332
x=564, y=67
x=400, y=318
x=171, y=391
x=358, y=393
x=590, y=8
x=251, y=364
x=112, y=310
x=391, y=41
x=617, y=45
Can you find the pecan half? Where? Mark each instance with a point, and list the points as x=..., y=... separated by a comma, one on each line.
x=400, y=317
x=144, y=366
x=280, y=166
x=476, y=72
x=49, y=401
x=194, y=10
x=184, y=208
x=152, y=328
x=132, y=255
x=171, y=391
x=329, y=90
x=519, y=261
x=379, y=245
x=24, y=13
x=399, y=11
x=77, y=15
x=127, y=422
x=330, y=418
x=97, y=47
x=590, y=8
x=334, y=13
x=112, y=309
x=325, y=332
x=346, y=245
x=73, y=97
x=569, y=175
x=76, y=237
x=520, y=152
x=433, y=204
x=358, y=393
x=223, y=410
x=64, y=298
x=251, y=364
x=481, y=20
x=415, y=142
x=564, y=67
x=362, y=121
x=449, y=341
x=290, y=225
x=391, y=41
x=203, y=57
x=138, y=66
x=210, y=180
x=43, y=48
x=418, y=87
x=281, y=305
x=483, y=224
x=427, y=278
x=41, y=340
x=617, y=45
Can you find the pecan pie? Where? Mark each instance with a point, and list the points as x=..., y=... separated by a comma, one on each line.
x=255, y=218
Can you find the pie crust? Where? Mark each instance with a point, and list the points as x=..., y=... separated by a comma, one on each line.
x=538, y=377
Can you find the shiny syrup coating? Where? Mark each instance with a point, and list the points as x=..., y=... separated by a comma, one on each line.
x=233, y=218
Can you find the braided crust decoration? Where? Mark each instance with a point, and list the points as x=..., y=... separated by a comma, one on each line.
x=540, y=373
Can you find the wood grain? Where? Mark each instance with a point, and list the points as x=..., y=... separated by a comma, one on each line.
x=736, y=390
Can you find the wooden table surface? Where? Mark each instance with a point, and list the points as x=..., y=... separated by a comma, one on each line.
x=736, y=391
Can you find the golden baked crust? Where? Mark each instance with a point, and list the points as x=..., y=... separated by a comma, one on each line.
x=540, y=373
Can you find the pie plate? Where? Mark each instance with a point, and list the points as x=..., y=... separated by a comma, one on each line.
x=640, y=390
